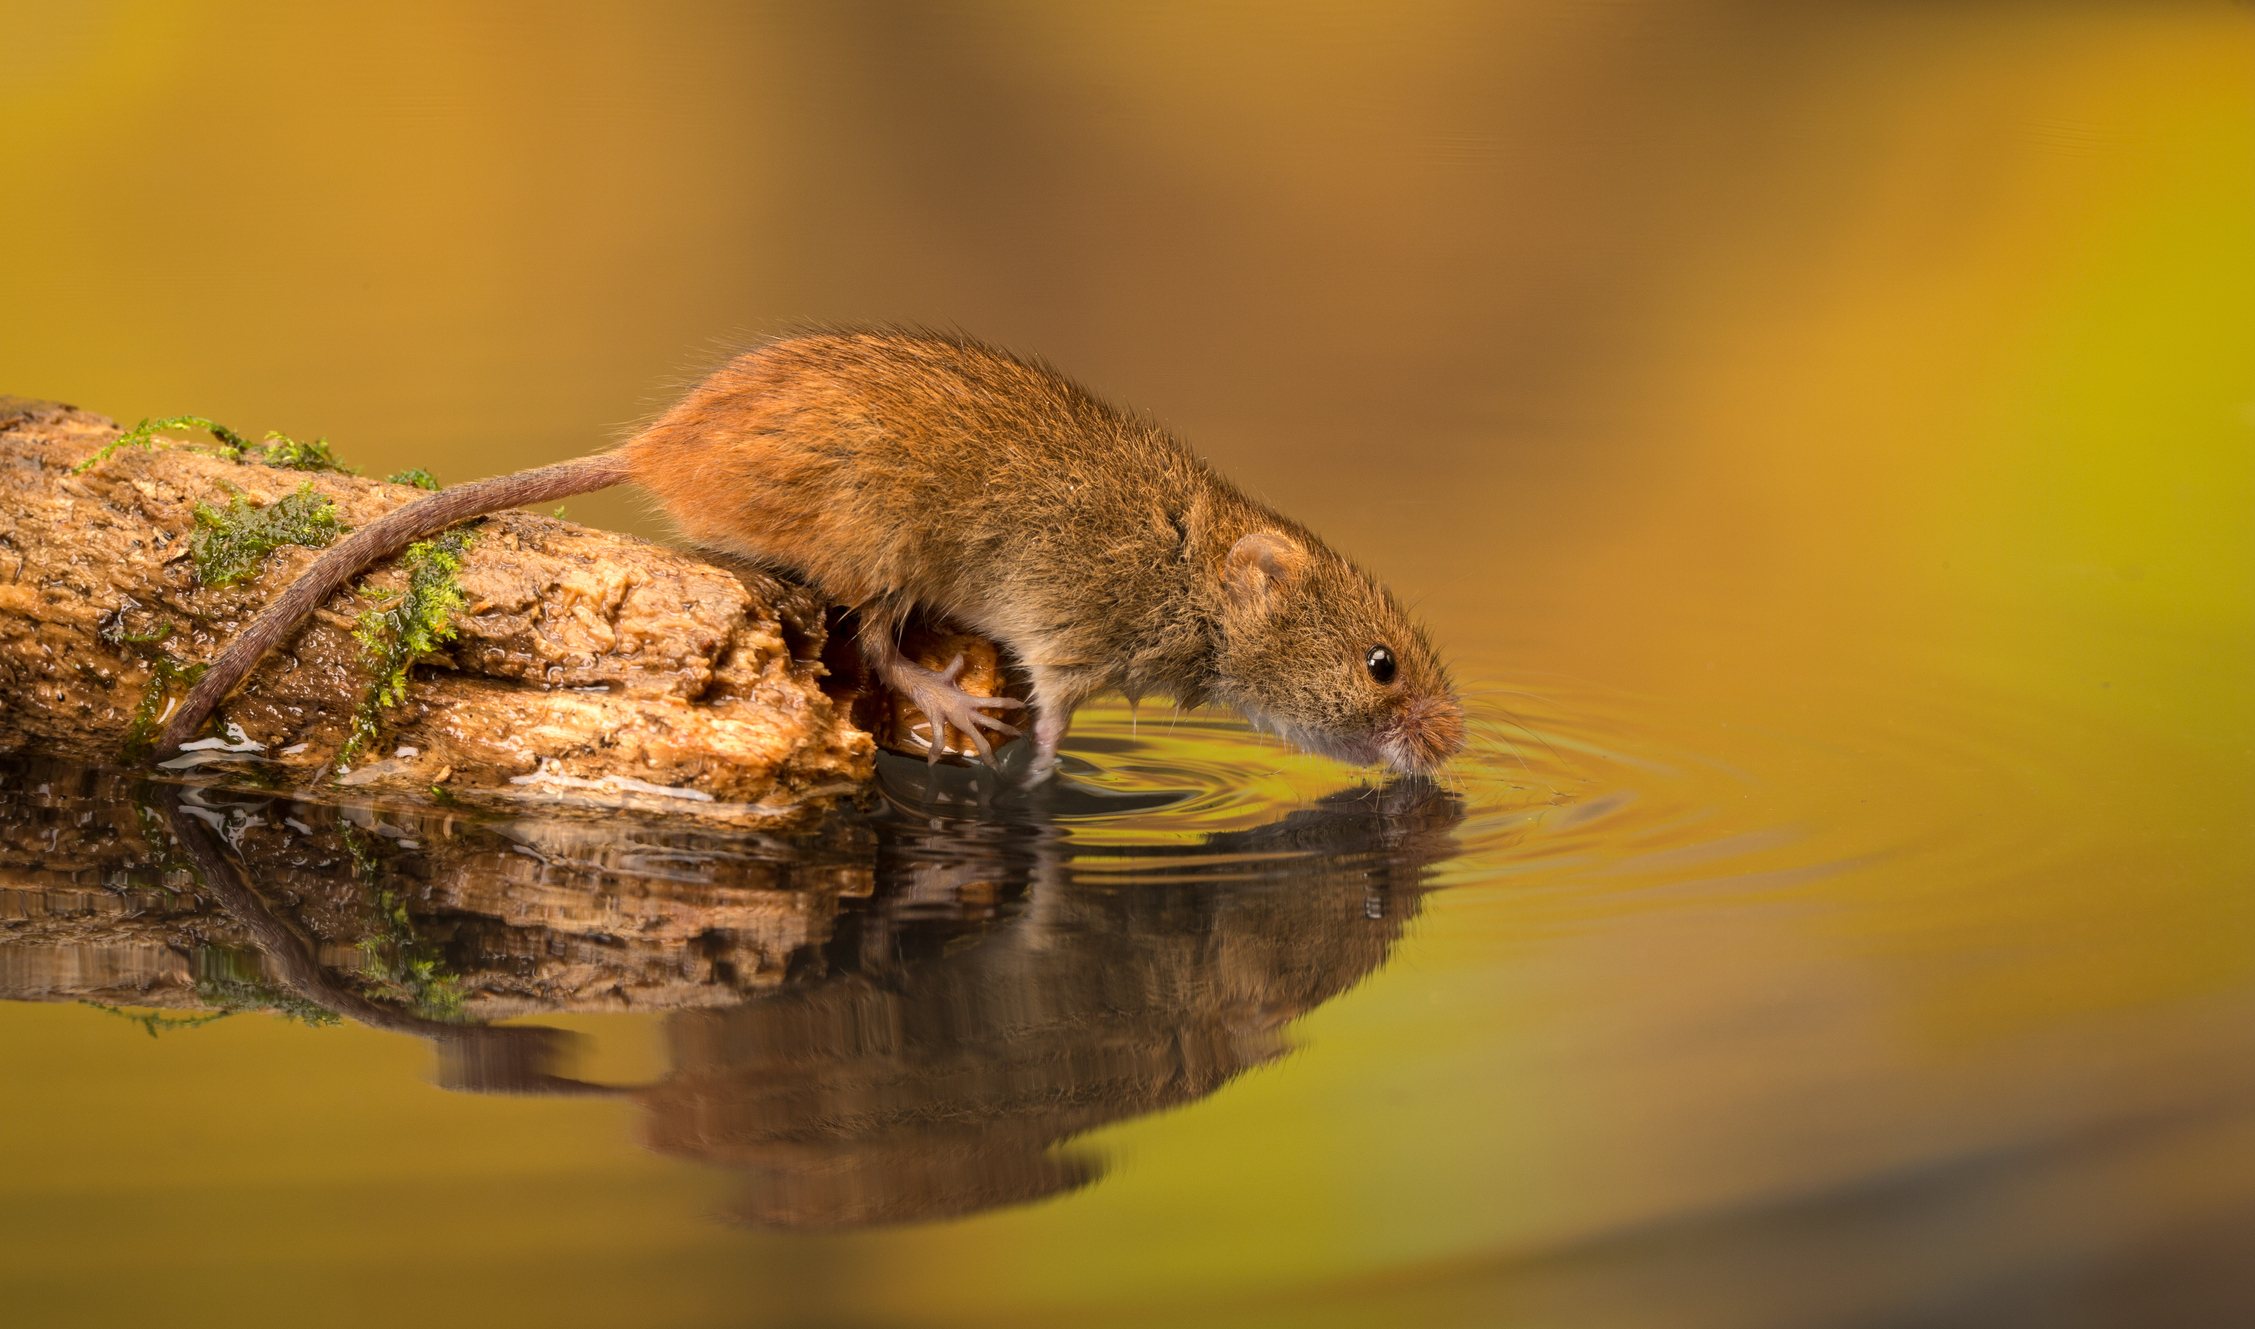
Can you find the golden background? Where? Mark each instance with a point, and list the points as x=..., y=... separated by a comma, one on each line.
x=1841, y=415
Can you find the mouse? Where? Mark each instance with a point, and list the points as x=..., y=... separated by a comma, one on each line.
x=898, y=470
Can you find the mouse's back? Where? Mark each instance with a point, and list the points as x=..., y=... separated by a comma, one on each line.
x=934, y=468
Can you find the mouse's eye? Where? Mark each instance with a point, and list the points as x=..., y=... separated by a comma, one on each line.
x=1380, y=663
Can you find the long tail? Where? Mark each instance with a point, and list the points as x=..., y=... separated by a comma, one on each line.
x=387, y=534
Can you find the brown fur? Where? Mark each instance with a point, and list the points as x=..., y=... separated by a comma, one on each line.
x=893, y=470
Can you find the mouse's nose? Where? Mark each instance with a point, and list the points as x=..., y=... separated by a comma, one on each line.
x=1428, y=731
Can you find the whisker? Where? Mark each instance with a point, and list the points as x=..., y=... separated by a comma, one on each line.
x=1533, y=734
x=1524, y=727
x=1517, y=692
x=1496, y=733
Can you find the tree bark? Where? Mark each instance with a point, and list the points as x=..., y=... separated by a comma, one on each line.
x=587, y=667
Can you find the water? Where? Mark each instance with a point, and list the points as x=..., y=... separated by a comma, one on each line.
x=1819, y=435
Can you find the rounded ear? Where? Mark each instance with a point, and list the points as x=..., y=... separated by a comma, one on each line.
x=1260, y=566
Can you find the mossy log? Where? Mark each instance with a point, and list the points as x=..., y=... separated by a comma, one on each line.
x=584, y=665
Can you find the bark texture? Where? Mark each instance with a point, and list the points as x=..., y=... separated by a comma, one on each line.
x=589, y=667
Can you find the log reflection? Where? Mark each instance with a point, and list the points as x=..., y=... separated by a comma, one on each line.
x=890, y=1019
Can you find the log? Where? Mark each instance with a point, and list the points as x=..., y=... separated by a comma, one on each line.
x=586, y=667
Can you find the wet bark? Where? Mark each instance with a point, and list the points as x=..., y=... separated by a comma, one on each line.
x=588, y=667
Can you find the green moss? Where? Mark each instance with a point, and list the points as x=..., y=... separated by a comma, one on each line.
x=144, y=434
x=400, y=966
x=393, y=639
x=164, y=854
x=231, y=543
x=231, y=982
x=156, y=1021
x=165, y=674
x=285, y=453
x=279, y=450
x=412, y=974
x=415, y=476
x=114, y=632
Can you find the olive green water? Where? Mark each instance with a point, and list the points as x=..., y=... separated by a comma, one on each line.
x=1823, y=437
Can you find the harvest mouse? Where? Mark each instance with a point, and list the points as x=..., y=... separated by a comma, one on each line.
x=892, y=470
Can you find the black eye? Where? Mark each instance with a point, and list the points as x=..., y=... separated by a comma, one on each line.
x=1380, y=663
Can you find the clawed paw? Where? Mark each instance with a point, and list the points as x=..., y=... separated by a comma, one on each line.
x=948, y=706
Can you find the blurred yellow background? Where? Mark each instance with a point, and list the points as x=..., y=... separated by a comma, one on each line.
x=1841, y=414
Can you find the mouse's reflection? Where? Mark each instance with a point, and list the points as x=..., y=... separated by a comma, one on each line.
x=923, y=1081
x=899, y=1018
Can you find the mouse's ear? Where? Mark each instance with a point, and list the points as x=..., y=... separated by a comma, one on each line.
x=1261, y=566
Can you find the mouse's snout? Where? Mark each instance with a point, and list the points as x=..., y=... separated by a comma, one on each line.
x=1424, y=732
